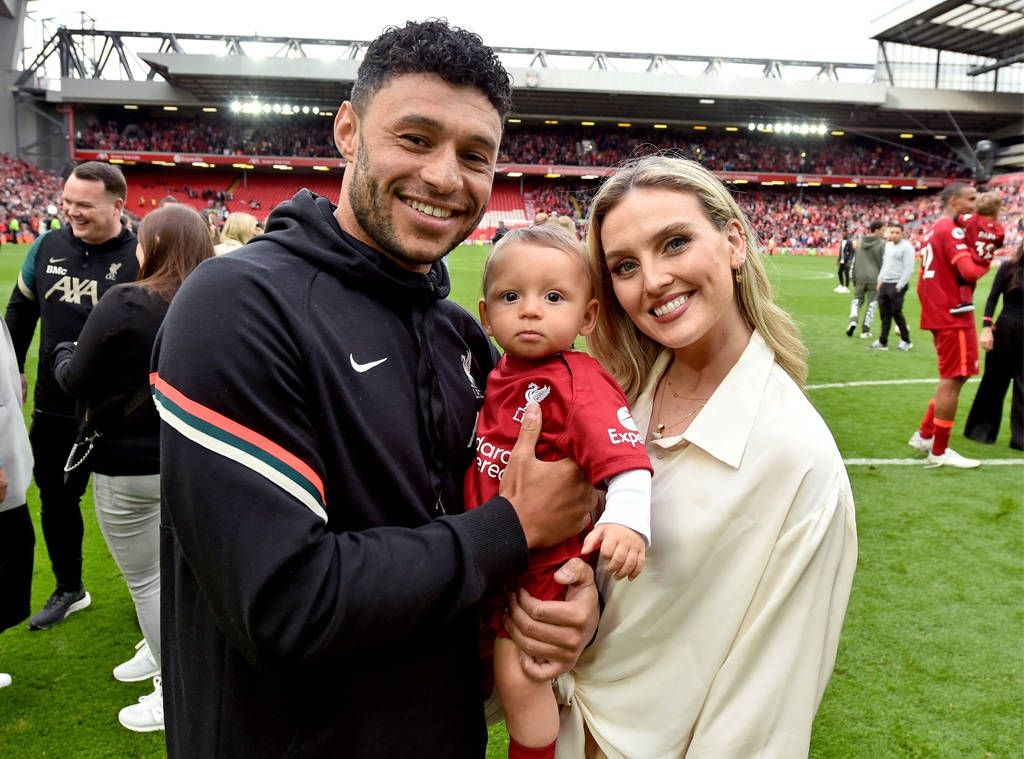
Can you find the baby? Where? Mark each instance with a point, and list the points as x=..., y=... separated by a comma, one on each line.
x=985, y=236
x=538, y=292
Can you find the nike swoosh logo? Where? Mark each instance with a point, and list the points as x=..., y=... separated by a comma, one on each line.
x=365, y=367
x=57, y=260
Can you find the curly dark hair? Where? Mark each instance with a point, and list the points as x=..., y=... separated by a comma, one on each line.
x=432, y=47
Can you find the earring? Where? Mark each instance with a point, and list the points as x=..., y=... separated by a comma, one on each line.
x=738, y=277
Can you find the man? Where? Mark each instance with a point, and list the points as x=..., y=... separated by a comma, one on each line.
x=65, y=272
x=320, y=578
x=866, y=263
x=500, y=232
x=845, y=257
x=893, y=281
x=945, y=256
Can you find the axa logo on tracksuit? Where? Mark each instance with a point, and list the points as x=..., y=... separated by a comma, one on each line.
x=491, y=459
x=72, y=289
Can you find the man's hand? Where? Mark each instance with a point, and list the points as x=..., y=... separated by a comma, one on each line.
x=552, y=499
x=3, y=483
x=553, y=634
x=624, y=549
x=24, y=388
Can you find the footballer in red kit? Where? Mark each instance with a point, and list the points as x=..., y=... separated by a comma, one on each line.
x=947, y=263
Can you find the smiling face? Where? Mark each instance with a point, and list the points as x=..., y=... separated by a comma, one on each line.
x=421, y=163
x=94, y=213
x=672, y=268
x=538, y=300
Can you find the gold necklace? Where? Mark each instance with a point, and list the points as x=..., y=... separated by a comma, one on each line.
x=660, y=427
x=684, y=397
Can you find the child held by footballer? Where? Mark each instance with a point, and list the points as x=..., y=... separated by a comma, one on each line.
x=538, y=296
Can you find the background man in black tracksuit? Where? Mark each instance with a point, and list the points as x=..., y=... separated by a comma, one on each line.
x=319, y=575
x=64, y=274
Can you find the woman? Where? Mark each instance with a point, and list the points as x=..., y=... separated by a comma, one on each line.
x=724, y=645
x=238, y=230
x=107, y=370
x=17, y=538
x=1004, y=362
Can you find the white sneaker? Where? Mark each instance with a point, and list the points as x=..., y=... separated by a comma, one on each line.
x=140, y=667
x=920, y=443
x=5, y=679
x=865, y=334
x=147, y=715
x=842, y=289
x=904, y=346
x=949, y=457
x=877, y=346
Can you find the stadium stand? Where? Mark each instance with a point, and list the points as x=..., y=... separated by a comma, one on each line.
x=597, y=146
x=786, y=218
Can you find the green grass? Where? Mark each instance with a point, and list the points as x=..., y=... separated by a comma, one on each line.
x=932, y=650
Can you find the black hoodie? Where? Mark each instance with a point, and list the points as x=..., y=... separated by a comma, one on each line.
x=318, y=404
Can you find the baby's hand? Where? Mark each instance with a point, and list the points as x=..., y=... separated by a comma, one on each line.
x=623, y=548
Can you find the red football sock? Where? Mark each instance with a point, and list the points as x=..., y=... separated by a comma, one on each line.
x=943, y=428
x=928, y=423
x=518, y=751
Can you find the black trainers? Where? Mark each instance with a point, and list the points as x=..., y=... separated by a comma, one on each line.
x=58, y=606
x=963, y=308
x=851, y=328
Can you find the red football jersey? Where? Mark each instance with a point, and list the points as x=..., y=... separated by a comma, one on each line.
x=586, y=417
x=938, y=284
x=984, y=235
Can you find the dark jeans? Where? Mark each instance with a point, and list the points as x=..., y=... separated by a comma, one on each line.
x=890, y=305
x=61, y=514
x=1004, y=365
x=844, y=275
x=17, y=544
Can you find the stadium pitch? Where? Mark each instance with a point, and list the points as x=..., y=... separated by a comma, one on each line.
x=930, y=659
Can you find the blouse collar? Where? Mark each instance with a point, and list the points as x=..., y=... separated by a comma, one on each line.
x=723, y=427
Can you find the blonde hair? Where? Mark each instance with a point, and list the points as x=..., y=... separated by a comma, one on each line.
x=548, y=234
x=988, y=204
x=240, y=226
x=616, y=342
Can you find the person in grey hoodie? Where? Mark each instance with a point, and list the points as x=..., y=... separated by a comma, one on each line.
x=867, y=262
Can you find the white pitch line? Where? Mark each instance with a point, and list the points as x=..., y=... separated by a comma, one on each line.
x=924, y=462
x=901, y=462
x=865, y=383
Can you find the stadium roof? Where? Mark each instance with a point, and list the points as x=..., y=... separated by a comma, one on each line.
x=549, y=84
x=984, y=28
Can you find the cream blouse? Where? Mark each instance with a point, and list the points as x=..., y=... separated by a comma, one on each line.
x=723, y=646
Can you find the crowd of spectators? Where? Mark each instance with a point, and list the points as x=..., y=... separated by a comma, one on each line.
x=596, y=146
x=753, y=151
x=29, y=199
x=784, y=217
x=309, y=138
x=795, y=218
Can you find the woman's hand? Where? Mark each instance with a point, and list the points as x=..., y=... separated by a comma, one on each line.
x=987, y=339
